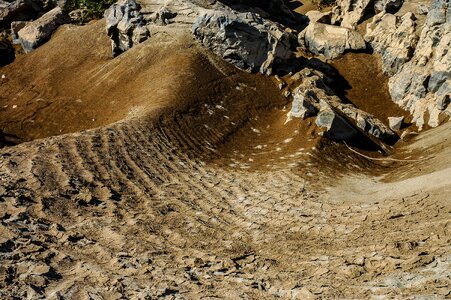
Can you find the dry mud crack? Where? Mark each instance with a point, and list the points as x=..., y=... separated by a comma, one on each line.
x=190, y=186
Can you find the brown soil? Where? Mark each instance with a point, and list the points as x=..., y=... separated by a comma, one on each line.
x=151, y=207
x=368, y=86
x=304, y=6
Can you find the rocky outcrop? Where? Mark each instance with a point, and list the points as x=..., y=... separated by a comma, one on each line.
x=39, y=31
x=330, y=41
x=349, y=13
x=16, y=11
x=340, y=120
x=423, y=84
x=246, y=40
x=125, y=26
x=394, y=38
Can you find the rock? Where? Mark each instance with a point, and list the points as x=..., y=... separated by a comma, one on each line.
x=320, y=17
x=395, y=123
x=423, y=84
x=246, y=40
x=336, y=127
x=348, y=13
x=394, y=38
x=389, y=6
x=302, y=107
x=15, y=27
x=125, y=26
x=330, y=41
x=278, y=10
x=39, y=31
x=422, y=9
x=18, y=10
x=366, y=122
x=313, y=95
x=162, y=16
x=281, y=84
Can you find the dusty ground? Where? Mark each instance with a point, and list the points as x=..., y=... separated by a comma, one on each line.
x=188, y=185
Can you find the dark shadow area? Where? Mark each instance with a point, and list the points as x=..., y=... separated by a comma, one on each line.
x=7, y=140
x=7, y=54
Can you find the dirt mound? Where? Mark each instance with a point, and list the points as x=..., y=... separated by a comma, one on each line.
x=189, y=185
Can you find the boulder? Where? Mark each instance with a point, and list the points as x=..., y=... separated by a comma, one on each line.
x=423, y=84
x=15, y=27
x=395, y=123
x=301, y=107
x=125, y=26
x=336, y=127
x=246, y=40
x=330, y=41
x=394, y=38
x=39, y=31
x=18, y=10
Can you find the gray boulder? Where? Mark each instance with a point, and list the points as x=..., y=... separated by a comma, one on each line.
x=246, y=40
x=39, y=31
x=394, y=38
x=330, y=41
x=302, y=106
x=335, y=126
x=125, y=26
x=423, y=84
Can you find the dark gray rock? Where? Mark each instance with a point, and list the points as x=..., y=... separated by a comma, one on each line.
x=125, y=26
x=246, y=40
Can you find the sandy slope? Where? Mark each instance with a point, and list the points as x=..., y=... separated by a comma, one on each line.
x=174, y=201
